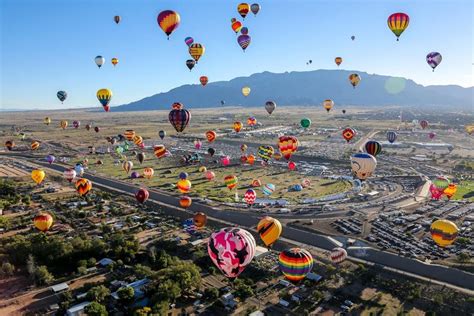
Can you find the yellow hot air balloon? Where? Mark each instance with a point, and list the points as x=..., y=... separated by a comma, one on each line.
x=469, y=129
x=63, y=124
x=354, y=79
x=115, y=61
x=43, y=222
x=196, y=51
x=328, y=104
x=443, y=232
x=38, y=175
x=245, y=91
x=104, y=96
x=269, y=230
x=47, y=120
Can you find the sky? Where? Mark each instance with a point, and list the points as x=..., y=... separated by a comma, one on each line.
x=50, y=45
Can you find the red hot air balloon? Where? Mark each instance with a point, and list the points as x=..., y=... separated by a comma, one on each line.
x=250, y=196
x=424, y=124
x=291, y=165
x=168, y=21
x=203, y=80
x=142, y=195
x=179, y=117
x=348, y=134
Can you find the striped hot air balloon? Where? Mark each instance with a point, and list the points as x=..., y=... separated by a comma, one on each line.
x=236, y=25
x=328, y=105
x=83, y=186
x=269, y=229
x=268, y=188
x=243, y=9
x=104, y=96
x=138, y=140
x=159, y=151
x=444, y=232
x=43, y=222
x=231, y=181
x=179, y=117
x=295, y=263
x=397, y=23
x=129, y=134
x=265, y=152
x=244, y=41
x=338, y=255
x=288, y=145
x=354, y=79
x=338, y=61
x=127, y=166
x=250, y=196
x=424, y=124
x=196, y=51
x=392, y=136
x=251, y=121
x=348, y=134
x=238, y=126
x=168, y=21
x=372, y=147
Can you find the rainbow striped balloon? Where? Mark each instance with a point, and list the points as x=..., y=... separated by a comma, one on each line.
x=231, y=181
x=295, y=263
x=397, y=23
x=268, y=189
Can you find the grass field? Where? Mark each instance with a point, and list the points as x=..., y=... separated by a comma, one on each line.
x=465, y=191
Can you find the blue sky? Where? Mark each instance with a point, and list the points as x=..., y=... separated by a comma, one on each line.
x=50, y=45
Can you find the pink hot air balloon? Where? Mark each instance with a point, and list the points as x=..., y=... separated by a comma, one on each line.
x=210, y=175
x=69, y=174
x=250, y=196
x=197, y=144
x=231, y=249
x=432, y=135
x=291, y=165
x=225, y=160
x=435, y=192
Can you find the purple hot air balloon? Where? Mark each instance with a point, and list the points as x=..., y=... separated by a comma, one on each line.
x=432, y=135
x=134, y=175
x=434, y=59
x=50, y=159
x=244, y=31
x=244, y=41
x=189, y=41
x=76, y=124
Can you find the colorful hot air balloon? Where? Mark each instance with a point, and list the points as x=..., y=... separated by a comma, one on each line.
x=137, y=140
x=231, y=181
x=43, y=221
x=225, y=160
x=127, y=166
x=159, y=151
x=269, y=230
x=443, y=232
x=435, y=192
x=243, y=9
x=35, y=145
x=185, y=201
x=69, y=174
x=328, y=104
x=142, y=195
x=203, y=80
x=38, y=175
x=183, y=175
x=354, y=79
x=256, y=183
x=162, y=134
x=197, y=144
x=251, y=121
x=184, y=186
x=291, y=165
x=246, y=91
x=210, y=175
x=63, y=124
x=148, y=172
x=9, y=144
x=268, y=189
x=451, y=190
x=189, y=41
x=200, y=219
x=255, y=8
x=50, y=159
x=397, y=23
x=211, y=136
x=295, y=263
x=129, y=134
x=250, y=159
x=270, y=106
x=244, y=41
x=363, y=165
x=83, y=186
x=265, y=152
x=196, y=51
x=372, y=147
x=99, y=61
x=434, y=59
x=243, y=148
x=348, y=134
x=79, y=169
x=338, y=255
x=305, y=183
x=236, y=25
x=423, y=124
x=469, y=129
x=250, y=196
x=76, y=124
x=62, y=95
x=288, y=145
x=441, y=183
x=179, y=118
x=168, y=21
x=392, y=136
x=104, y=96
x=338, y=61
x=305, y=122
x=47, y=120
x=238, y=126
x=117, y=19
x=115, y=61
x=88, y=127
x=231, y=249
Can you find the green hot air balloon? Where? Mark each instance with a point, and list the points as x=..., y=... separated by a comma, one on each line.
x=305, y=123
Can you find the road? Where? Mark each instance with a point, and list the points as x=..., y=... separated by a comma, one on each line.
x=447, y=275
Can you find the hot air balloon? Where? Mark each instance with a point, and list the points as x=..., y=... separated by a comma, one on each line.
x=372, y=147
x=238, y=126
x=35, y=145
x=9, y=144
x=162, y=134
x=295, y=263
x=231, y=249
x=83, y=186
x=140, y=157
x=183, y=175
x=104, y=96
x=423, y=124
x=243, y=148
x=142, y=195
x=250, y=196
x=138, y=140
x=305, y=183
x=338, y=61
x=348, y=134
x=200, y=219
x=62, y=95
x=168, y=21
x=76, y=124
x=211, y=151
x=338, y=255
x=43, y=222
x=185, y=201
x=443, y=232
x=189, y=41
x=243, y=9
x=244, y=31
x=211, y=136
x=268, y=189
x=343, y=111
x=196, y=51
x=256, y=183
x=134, y=175
x=328, y=104
x=50, y=159
x=288, y=145
x=255, y=8
x=183, y=185
x=179, y=118
x=210, y=175
x=432, y=135
x=451, y=190
x=202, y=169
x=269, y=230
x=88, y=127
x=397, y=23
x=225, y=160
x=79, y=169
x=469, y=129
x=354, y=79
x=127, y=166
x=265, y=152
x=96, y=129
x=435, y=192
x=246, y=91
x=434, y=59
x=63, y=124
x=236, y=25
x=190, y=63
x=38, y=175
x=251, y=121
x=47, y=120
x=117, y=19
x=231, y=181
x=391, y=136
x=159, y=151
x=203, y=80
x=305, y=122
x=115, y=61
x=270, y=106
x=250, y=159
x=291, y=165
x=363, y=165
x=244, y=41
x=99, y=61
x=129, y=134
x=441, y=183
x=148, y=172
x=353, y=37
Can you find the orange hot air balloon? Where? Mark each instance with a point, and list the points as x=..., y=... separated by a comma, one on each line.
x=63, y=124
x=238, y=126
x=148, y=172
x=450, y=190
x=211, y=136
x=43, y=222
x=83, y=186
x=338, y=61
x=184, y=185
x=168, y=21
x=243, y=9
x=231, y=181
x=159, y=151
x=115, y=61
x=328, y=104
x=203, y=80
x=185, y=201
x=138, y=140
x=250, y=159
x=236, y=26
x=35, y=145
x=129, y=134
x=200, y=219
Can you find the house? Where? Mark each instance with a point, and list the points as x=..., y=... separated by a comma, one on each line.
x=284, y=303
x=314, y=277
x=285, y=283
x=58, y=288
x=138, y=287
x=228, y=300
x=105, y=262
x=77, y=310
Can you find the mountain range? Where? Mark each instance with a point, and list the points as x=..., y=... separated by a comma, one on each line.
x=310, y=88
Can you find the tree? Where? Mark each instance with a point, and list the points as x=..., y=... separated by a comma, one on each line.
x=211, y=294
x=167, y=290
x=42, y=276
x=96, y=309
x=98, y=293
x=463, y=257
x=7, y=269
x=82, y=270
x=126, y=294
x=144, y=311
x=161, y=308
x=243, y=290
x=142, y=271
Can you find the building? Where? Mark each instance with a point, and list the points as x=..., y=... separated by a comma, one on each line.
x=58, y=288
x=138, y=287
x=228, y=300
x=77, y=310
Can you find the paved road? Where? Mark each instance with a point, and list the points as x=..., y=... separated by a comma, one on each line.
x=440, y=273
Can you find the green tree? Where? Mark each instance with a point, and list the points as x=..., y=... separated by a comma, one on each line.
x=211, y=294
x=167, y=290
x=42, y=276
x=243, y=290
x=82, y=270
x=98, y=293
x=142, y=271
x=463, y=257
x=161, y=308
x=96, y=309
x=7, y=269
x=126, y=294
